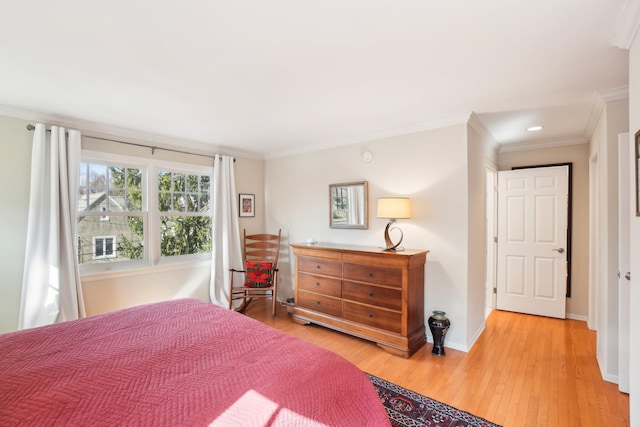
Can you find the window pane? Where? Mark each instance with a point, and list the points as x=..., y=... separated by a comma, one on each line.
x=134, y=201
x=204, y=184
x=98, y=249
x=107, y=239
x=116, y=201
x=116, y=177
x=204, y=203
x=97, y=175
x=182, y=235
x=178, y=203
x=178, y=182
x=117, y=187
x=180, y=192
x=192, y=202
x=192, y=183
x=134, y=179
x=164, y=181
x=108, y=246
x=164, y=202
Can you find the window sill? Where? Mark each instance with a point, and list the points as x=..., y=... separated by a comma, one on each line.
x=142, y=271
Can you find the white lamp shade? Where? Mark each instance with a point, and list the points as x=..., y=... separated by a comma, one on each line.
x=394, y=207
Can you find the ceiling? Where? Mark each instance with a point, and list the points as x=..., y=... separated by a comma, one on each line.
x=277, y=77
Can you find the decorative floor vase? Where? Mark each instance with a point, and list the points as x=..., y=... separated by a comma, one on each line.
x=439, y=325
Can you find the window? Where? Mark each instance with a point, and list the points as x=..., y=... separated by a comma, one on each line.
x=136, y=212
x=104, y=247
x=185, y=218
x=104, y=217
x=116, y=190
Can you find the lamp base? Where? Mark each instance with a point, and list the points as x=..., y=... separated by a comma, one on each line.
x=390, y=245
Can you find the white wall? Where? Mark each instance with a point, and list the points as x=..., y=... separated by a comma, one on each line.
x=431, y=168
x=634, y=126
x=604, y=254
x=15, y=172
x=481, y=147
x=578, y=155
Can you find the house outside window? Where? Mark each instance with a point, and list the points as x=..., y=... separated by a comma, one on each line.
x=104, y=247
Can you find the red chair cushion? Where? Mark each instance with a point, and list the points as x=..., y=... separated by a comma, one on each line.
x=258, y=274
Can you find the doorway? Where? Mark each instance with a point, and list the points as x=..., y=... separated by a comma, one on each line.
x=534, y=240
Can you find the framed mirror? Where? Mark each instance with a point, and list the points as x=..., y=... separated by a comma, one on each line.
x=349, y=205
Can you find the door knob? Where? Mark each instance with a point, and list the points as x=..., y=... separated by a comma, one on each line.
x=559, y=250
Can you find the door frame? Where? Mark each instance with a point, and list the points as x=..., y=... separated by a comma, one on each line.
x=625, y=151
x=491, y=242
x=569, y=212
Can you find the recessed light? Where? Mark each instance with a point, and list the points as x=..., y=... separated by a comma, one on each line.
x=534, y=128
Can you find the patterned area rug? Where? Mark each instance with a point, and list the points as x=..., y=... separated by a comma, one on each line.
x=408, y=408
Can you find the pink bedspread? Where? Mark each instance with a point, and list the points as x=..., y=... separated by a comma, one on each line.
x=181, y=362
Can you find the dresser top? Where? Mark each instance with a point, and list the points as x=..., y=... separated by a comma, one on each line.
x=340, y=247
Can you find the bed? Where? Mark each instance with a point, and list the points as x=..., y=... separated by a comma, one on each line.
x=175, y=363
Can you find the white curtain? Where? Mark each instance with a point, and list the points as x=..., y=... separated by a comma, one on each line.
x=51, y=289
x=226, y=250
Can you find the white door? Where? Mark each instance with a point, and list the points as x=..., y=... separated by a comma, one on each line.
x=625, y=151
x=532, y=240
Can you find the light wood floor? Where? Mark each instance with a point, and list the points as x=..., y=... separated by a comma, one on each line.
x=523, y=370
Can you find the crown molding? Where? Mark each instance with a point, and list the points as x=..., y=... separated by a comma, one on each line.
x=615, y=94
x=456, y=119
x=89, y=129
x=600, y=101
x=627, y=26
x=478, y=125
x=535, y=145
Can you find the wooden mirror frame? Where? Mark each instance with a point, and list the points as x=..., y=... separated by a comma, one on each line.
x=340, y=205
x=636, y=164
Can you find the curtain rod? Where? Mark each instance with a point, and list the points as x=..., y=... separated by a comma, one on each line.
x=152, y=147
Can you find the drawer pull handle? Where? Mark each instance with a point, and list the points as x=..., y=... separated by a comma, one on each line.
x=317, y=283
x=318, y=267
x=370, y=294
x=370, y=315
x=317, y=302
x=370, y=274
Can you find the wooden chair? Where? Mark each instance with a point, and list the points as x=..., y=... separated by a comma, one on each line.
x=260, y=258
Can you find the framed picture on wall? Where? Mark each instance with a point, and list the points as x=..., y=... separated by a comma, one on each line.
x=636, y=163
x=247, y=205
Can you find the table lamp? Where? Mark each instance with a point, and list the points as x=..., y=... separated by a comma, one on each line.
x=393, y=208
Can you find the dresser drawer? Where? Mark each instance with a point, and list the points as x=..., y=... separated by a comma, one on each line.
x=326, y=267
x=372, y=274
x=321, y=303
x=320, y=284
x=373, y=295
x=371, y=316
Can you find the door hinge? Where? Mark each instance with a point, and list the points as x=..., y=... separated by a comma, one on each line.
x=495, y=290
x=495, y=239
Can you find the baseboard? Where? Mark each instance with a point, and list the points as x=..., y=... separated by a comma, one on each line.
x=451, y=345
x=577, y=317
x=612, y=378
x=458, y=346
x=475, y=337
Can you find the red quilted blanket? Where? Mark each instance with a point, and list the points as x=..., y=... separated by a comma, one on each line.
x=177, y=363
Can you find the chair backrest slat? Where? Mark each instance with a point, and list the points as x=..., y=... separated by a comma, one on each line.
x=262, y=247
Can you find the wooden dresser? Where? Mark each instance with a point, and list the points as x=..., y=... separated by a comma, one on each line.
x=362, y=291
